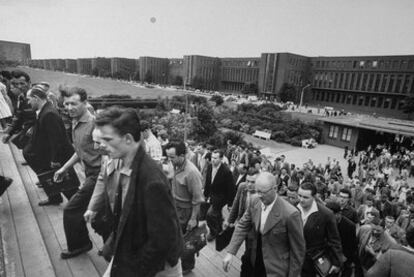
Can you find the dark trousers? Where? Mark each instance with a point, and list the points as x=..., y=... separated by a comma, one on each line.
x=77, y=235
x=40, y=166
x=184, y=215
x=214, y=217
x=246, y=268
x=308, y=269
x=259, y=267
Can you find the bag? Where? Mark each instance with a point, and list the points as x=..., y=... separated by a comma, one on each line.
x=223, y=239
x=322, y=264
x=195, y=240
x=203, y=211
x=21, y=139
x=70, y=181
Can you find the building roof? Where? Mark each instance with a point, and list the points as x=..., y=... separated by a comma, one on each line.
x=381, y=124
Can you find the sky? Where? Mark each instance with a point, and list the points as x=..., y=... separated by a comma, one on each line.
x=219, y=28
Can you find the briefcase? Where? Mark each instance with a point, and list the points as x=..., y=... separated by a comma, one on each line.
x=195, y=240
x=223, y=239
x=322, y=264
x=70, y=181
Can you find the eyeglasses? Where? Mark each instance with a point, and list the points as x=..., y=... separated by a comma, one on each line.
x=263, y=192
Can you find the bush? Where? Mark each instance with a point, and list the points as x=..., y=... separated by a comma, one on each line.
x=234, y=137
x=217, y=99
x=296, y=142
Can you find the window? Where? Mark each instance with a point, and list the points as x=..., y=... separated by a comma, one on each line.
x=391, y=83
x=384, y=82
x=380, y=101
x=387, y=103
x=373, y=101
x=346, y=134
x=361, y=100
x=370, y=82
x=361, y=64
x=348, y=99
x=333, y=131
x=406, y=85
x=377, y=82
x=401, y=104
x=399, y=83
x=354, y=99
x=393, y=102
x=367, y=98
x=374, y=64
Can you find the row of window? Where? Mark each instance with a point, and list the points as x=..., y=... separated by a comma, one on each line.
x=365, y=81
x=296, y=77
x=297, y=61
x=251, y=63
x=240, y=74
x=366, y=64
x=372, y=101
x=334, y=131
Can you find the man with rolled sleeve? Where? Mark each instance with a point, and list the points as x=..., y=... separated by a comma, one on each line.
x=187, y=192
x=146, y=239
x=77, y=237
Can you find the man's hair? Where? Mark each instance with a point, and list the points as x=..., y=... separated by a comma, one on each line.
x=409, y=236
x=180, y=148
x=145, y=125
x=18, y=73
x=70, y=91
x=219, y=152
x=309, y=186
x=38, y=91
x=123, y=120
x=334, y=206
x=390, y=217
x=346, y=191
x=6, y=74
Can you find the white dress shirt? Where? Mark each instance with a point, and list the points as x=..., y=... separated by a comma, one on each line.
x=265, y=213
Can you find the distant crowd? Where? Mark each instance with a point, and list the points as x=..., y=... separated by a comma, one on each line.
x=145, y=193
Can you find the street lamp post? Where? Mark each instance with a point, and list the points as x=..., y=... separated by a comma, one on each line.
x=186, y=111
x=301, y=95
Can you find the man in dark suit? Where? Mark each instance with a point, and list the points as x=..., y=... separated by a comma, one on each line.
x=24, y=116
x=278, y=246
x=49, y=147
x=220, y=190
x=320, y=231
x=239, y=174
x=146, y=238
x=347, y=232
x=396, y=262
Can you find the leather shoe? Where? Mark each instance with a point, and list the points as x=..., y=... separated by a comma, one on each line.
x=49, y=202
x=66, y=254
x=39, y=185
x=5, y=182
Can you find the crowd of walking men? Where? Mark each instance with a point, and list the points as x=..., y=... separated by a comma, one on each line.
x=142, y=193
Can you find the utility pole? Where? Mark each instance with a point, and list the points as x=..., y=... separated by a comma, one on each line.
x=301, y=96
x=186, y=111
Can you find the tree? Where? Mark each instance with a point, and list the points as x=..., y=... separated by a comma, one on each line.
x=197, y=82
x=408, y=107
x=205, y=126
x=148, y=77
x=136, y=76
x=287, y=93
x=178, y=81
x=218, y=99
x=95, y=72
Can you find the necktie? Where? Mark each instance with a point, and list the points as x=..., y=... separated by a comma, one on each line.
x=117, y=206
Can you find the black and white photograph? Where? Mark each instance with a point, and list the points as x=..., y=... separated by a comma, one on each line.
x=206, y=138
